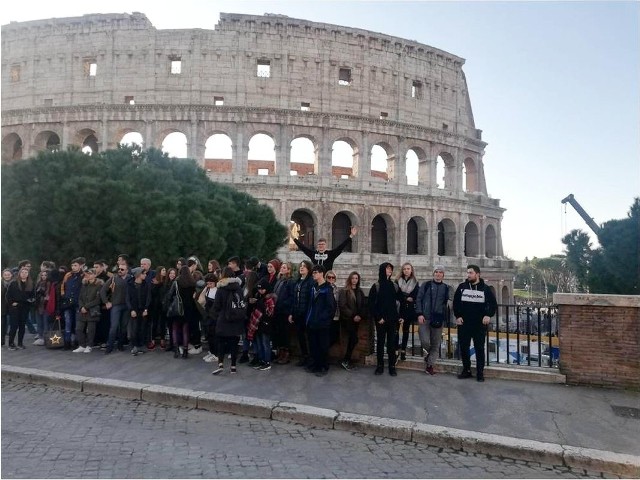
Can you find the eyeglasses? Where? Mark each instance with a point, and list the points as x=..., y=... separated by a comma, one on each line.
x=122, y=269
x=331, y=277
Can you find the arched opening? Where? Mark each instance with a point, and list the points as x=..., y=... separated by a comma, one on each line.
x=446, y=238
x=344, y=159
x=469, y=176
x=417, y=236
x=412, y=166
x=11, y=148
x=303, y=225
x=380, y=159
x=218, y=147
x=490, y=242
x=175, y=145
x=262, y=155
x=505, y=295
x=90, y=145
x=304, y=156
x=50, y=141
x=444, y=171
x=340, y=230
x=381, y=234
x=132, y=138
x=471, y=240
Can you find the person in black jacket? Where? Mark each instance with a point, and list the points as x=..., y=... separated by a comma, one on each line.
x=321, y=310
x=7, y=277
x=138, y=302
x=20, y=296
x=228, y=328
x=353, y=305
x=384, y=298
x=322, y=256
x=473, y=306
x=408, y=285
x=300, y=307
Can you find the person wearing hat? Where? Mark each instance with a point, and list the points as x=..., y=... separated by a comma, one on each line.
x=432, y=309
x=89, y=311
x=138, y=301
x=273, y=268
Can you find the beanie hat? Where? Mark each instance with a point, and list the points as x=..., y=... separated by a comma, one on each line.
x=136, y=272
x=276, y=264
x=438, y=268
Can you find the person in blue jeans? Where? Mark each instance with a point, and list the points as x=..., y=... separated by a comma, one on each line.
x=114, y=297
x=69, y=293
x=261, y=323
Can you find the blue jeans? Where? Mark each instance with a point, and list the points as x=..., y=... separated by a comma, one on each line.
x=42, y=322
x=69, y=324
x=119, y=320
x=263, y=346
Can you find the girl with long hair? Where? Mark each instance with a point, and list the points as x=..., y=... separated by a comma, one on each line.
x=408, y=286
x=352, y=305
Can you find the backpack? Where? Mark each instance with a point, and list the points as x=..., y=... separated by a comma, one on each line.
x=236, y=308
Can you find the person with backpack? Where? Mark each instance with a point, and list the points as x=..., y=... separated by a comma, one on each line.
x=229, y=311
x=431, y=308
x=384, y=299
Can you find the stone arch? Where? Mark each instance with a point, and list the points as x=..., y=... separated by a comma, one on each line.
x=131, y=137
x=303, y=155
x=262, y=154
x=87, y=139
x=344, y=158
x=303, y=222
x=11, y=148
x=47, y=140
x=218, y=146
x=505, y=295
x=447, y=238
x=490, y=242
x=175, y=143
x=414, y=159
x=471, y=240
x=382, y=158
x=445, y=168
x=382, y=234
x=417, y=236
x=469, y=175
x=341, y=228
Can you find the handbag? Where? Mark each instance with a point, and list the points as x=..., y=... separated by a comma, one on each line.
x=436, y=320
x=54, y=337
x=176, y=307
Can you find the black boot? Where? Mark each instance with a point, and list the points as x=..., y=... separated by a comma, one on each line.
x=67, y=345
x=185, y=353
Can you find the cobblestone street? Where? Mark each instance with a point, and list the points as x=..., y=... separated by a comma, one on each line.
x=51, y=432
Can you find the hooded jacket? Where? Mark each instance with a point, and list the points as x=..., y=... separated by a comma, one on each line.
x=224, y=326
x=322, y=306
x=90, y=295
x=472, y=302
x=384, y=297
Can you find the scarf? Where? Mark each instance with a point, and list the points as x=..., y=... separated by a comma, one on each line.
x=407, y=286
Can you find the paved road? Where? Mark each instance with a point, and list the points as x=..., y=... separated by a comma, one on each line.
x=52, y=432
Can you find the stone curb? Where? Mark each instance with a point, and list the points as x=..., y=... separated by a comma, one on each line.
x=624, y=465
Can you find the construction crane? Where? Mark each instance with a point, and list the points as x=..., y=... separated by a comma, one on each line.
x=588, y=220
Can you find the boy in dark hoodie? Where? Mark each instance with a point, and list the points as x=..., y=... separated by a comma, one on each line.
x=319, y=318
x=473, y=306
x=384, y=299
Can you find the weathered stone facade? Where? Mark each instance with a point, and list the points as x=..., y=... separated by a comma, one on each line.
x=90, y=80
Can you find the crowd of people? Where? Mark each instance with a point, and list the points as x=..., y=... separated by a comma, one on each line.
x=244, y=311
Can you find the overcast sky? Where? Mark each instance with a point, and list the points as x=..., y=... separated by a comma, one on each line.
x=555, y=87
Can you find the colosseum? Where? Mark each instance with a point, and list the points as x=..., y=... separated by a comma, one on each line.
x=355, y=127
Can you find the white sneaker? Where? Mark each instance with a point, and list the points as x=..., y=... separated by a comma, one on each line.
x=195, y=351
x=39, y=342
x=210, y=358
x=79, y=350
x=87, y=350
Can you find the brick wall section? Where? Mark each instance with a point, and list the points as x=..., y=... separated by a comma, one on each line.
x=599, y=339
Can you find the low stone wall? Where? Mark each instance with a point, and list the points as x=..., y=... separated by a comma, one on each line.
x=599, y=339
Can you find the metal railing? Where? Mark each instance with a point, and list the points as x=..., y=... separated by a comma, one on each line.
x=517, y=335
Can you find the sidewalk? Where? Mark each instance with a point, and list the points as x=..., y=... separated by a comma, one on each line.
x=558, y=414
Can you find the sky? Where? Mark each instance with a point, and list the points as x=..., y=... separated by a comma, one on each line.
x=554, y=86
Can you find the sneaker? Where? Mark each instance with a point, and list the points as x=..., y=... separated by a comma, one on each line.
x=210, y=358
x=134, y=351
x=233, y=370
x=344, y=364
x=88, y=350
x=79, y=350
x=379, y=370
x=264, y=367
x=465, y=374
x=12, y=347
x=429, y=370
x=218, y=370
x=21, y=347
x=195, y=351
x=258, y=365
x=39, y=342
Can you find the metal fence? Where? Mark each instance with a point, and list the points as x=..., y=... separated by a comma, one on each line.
x=517, y=335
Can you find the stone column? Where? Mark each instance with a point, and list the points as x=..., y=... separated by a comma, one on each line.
x=150, y=139
x=462, y=219
x=323, y=162
x=66, y=136
x=364, y=159
x=402, y=233
x=240, y=151
x=481, y=243
x=283, y=152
